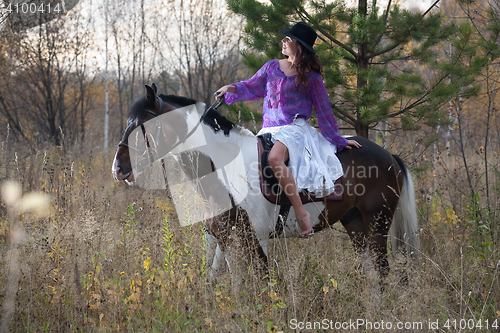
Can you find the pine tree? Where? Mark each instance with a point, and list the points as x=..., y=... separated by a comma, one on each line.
x=378, y=65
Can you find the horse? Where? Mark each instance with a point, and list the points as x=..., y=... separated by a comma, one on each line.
x=377, y=204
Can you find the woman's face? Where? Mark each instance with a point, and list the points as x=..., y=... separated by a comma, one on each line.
x=290, y=46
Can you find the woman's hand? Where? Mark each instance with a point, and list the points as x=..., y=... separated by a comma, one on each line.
x=352, y=143
x=225, y=89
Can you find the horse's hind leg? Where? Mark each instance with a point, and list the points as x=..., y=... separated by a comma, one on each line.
x=353, y=224
x=367, y=228
x=377, y=241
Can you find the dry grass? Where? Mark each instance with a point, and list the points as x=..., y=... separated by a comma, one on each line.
x=110, y=258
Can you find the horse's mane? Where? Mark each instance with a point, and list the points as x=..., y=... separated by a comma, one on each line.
x=138, y=108
x=178, y=101
x=220, y=123
x=142, y=104
x=212, y=118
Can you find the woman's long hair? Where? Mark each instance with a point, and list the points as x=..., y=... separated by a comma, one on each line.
x=307, y=62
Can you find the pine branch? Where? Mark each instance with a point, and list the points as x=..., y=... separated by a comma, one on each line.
x=342, y=45
x=307, y=17
x=430, y=8
x=344, y=115
x=420, y=101
x=386, y=50
x=395, y=45
x=385, y=25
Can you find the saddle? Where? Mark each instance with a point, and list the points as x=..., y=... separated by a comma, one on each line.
x=270, y=187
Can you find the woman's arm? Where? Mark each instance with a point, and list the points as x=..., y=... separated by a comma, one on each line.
x=249, y=90
x=326, y=120
x=226, y=89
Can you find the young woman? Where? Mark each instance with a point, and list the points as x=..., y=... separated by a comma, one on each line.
x=291, y=87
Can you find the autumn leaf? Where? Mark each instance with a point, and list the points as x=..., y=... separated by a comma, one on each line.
x=147, y=263
x=334, y=283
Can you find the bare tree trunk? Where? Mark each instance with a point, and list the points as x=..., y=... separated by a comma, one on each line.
x=491, y=101
x=82, y=111
x=461, y=145
x=106, y=90
x=134, y=63
x=205, y=47
x=142, y=45
x=119, y=79
x=362, y=62
x=12, y=119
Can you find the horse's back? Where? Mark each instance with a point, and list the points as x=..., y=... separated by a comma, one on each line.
x=369, y=154
x=370, y=157
x=371, y=172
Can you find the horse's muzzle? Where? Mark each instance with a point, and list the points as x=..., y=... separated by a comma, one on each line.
x=118, y=174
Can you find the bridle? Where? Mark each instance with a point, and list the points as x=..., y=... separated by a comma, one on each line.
x=122, y=143
x=218, y=102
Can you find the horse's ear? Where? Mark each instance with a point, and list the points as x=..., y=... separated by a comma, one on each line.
x=150, y=94
x=155, y=89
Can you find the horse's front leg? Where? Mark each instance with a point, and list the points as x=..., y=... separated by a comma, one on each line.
x=247, y=258
x=234, y=263
x=215, y=267
x=214, y=257
x=210, y=248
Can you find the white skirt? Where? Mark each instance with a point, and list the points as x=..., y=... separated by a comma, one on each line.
x=313, y=162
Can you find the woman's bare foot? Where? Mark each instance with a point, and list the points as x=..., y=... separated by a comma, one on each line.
x=305, y=224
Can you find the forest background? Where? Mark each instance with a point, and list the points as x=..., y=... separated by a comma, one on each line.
x=105, y=257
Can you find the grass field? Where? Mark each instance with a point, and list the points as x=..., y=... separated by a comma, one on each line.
x=111, y=258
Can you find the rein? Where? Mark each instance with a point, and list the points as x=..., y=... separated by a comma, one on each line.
x=214, y=106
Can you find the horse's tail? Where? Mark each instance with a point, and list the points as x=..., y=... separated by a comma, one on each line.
x=404, y=229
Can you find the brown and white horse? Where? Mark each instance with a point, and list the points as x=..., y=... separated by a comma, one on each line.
x=378, y=188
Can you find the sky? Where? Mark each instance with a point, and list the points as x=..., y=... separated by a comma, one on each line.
x=409, y=4
x=96, y=9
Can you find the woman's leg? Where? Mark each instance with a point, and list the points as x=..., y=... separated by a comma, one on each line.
x=277, y=158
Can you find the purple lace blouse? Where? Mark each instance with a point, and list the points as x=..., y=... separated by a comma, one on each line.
x=284, y=101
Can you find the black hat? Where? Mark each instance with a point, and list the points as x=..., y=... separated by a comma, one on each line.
x=303, y=33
